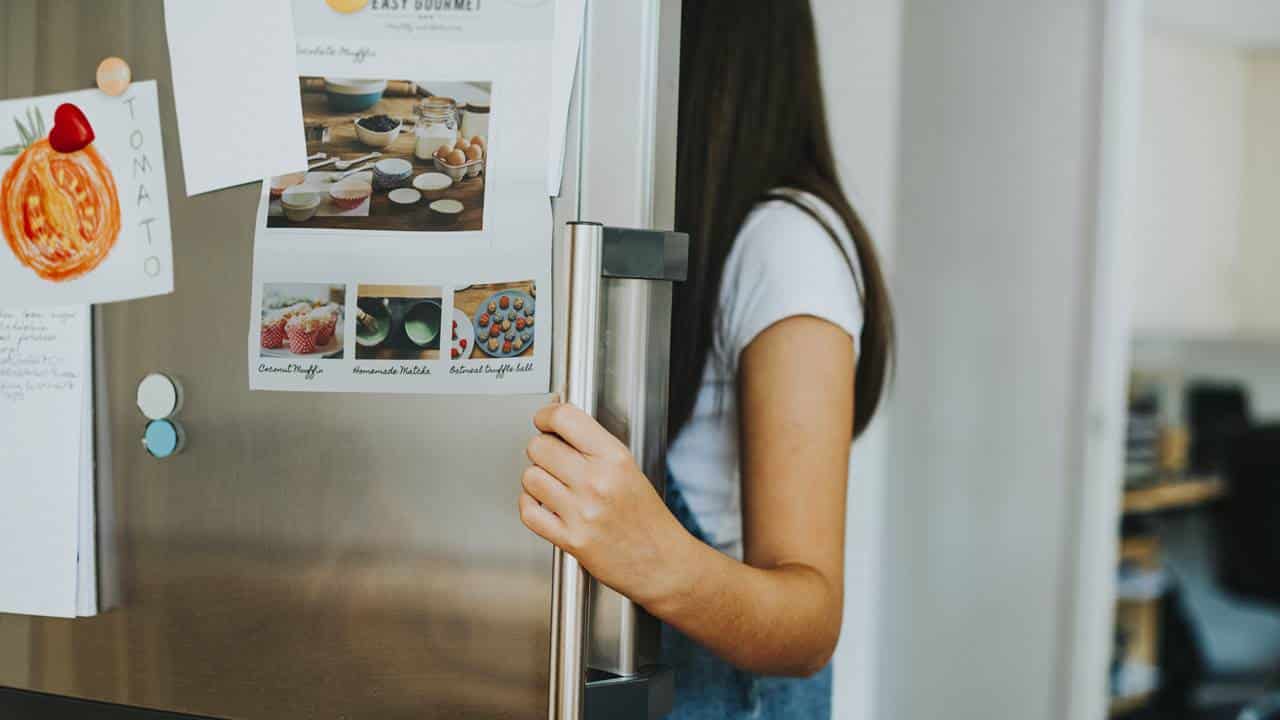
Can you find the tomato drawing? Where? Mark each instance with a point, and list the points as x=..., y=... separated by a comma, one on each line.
x=59, y=210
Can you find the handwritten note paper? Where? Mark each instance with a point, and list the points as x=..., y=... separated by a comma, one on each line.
x=45, y=378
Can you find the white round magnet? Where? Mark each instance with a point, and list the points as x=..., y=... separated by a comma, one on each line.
x=159, y=396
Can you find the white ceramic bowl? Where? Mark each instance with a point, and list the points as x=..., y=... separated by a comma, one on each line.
x=431, y=182
x=299, y=197
x=301, y=214
x=404, y=196
x=391, y=173
x=373, y=138
x=393, y=167
x=447, y=208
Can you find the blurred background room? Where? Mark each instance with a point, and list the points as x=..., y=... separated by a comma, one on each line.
x=1198, y=601
x=1069, y=509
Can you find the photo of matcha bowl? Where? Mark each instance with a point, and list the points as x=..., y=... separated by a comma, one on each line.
x=422, y=323
x=398, y=322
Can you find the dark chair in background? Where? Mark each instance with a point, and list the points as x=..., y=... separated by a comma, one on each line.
x=1248, y=531
x=1248, y=518
x=1217, y=412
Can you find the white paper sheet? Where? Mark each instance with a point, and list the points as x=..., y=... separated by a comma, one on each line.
x=571, y=17
x=44, y=380
x=395, y=258
x=107, y=202
x=235, y=90
x=87, y=530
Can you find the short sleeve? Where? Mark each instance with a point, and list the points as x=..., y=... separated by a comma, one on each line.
x=784, y=264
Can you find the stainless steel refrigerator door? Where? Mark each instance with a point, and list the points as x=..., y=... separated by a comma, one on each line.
x=307, y=555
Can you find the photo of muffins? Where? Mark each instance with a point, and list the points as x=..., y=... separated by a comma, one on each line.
x=302, y=331
x=302, y=320
x=273, y=329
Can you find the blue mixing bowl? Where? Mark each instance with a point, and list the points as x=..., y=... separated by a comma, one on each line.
x=348, y=95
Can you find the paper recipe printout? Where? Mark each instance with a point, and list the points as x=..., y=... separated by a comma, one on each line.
x=409, y=255
x=84, y=210
x=46, y=505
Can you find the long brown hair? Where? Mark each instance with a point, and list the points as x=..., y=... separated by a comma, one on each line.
x=752, y=120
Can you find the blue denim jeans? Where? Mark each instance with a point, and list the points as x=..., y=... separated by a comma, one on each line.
x=708, y=688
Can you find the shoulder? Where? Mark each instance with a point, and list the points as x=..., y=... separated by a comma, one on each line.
x=778, y=230
x=785, y=263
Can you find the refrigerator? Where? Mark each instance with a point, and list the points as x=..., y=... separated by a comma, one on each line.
x=336, y=555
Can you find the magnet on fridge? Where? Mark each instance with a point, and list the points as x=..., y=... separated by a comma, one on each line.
x=114, y=75
x=163, y=438
x=159, y=396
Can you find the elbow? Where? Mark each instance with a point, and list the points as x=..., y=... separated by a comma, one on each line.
x=814, y=653
x=816, y=661
x=814, y=658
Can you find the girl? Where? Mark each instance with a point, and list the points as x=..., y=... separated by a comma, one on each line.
x=782, y=338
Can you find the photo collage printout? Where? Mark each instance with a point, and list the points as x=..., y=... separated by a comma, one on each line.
x=409, y=254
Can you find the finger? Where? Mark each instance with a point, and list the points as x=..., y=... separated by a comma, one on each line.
x=546, y=489
x=577, y=428
x=556, y=457
x=541, y=521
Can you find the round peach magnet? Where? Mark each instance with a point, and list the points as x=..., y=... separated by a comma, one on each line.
x=114, y=76
x=347, y=6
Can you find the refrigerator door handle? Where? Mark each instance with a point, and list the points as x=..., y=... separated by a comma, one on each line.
x=622, y=663
x=569, y=586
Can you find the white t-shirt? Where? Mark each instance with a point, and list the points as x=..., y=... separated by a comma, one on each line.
x=783, y=264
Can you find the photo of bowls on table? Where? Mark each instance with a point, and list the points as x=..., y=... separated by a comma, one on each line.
x=498, y=321
x=391, y=155
x=398, y=322
x=302, y=321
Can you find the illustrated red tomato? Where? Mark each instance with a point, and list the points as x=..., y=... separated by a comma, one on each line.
x=519, y=323
x=463, y=343
x=59, y=211
x=454, y=353
x=504, y=302
x=484, y=319
x=494, y=331
x=506, y=346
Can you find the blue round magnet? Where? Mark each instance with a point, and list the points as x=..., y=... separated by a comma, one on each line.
x=163, y=438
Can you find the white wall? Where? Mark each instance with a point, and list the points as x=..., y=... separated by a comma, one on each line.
x=860, y=43
x=1256, y=293
x=1237, y=22
x=995, y=223
x=1191, y=168
x=1207, y=218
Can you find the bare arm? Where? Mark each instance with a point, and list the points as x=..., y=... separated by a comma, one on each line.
x=779, y=612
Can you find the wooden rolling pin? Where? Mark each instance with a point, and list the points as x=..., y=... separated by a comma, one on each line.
x=395, y=88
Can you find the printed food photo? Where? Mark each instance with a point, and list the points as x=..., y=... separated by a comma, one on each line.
x=494, y=321
x=398, y=322
x=396, y=155
x=302, y=321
